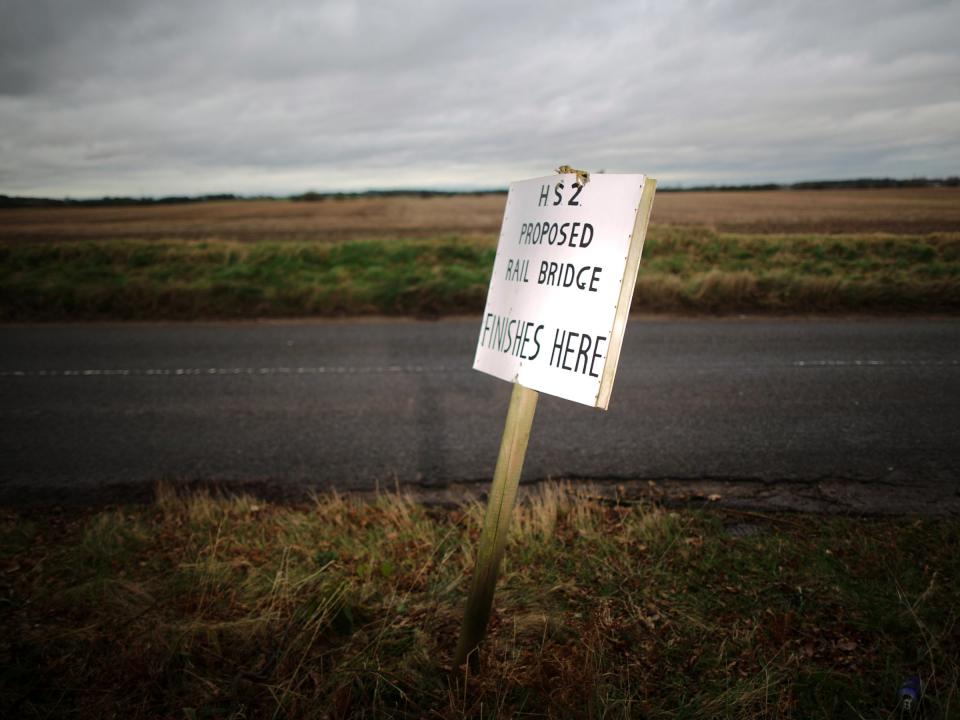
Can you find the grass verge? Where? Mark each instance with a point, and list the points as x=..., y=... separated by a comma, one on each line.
x=179, y=279
x=204, y=607
x=684, y=270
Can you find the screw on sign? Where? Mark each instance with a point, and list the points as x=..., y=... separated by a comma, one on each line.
x=556, y=311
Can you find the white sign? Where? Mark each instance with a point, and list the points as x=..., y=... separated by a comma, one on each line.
x=562, y=283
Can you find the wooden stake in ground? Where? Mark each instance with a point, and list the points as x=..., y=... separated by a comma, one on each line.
x=496, y=523
x=556, y=311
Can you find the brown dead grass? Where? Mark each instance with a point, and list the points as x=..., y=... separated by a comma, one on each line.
x=893, y=210
x=913, y=210
x=200, y=606
x=252, y=220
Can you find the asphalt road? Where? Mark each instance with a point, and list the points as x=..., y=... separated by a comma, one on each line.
x=86, y=410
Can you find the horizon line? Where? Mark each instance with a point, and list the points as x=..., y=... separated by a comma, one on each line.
x=314, y=195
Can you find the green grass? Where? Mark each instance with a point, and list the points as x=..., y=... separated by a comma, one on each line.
x=203, y=607
x=683, y=270
x=176, y=279
x=698, y=269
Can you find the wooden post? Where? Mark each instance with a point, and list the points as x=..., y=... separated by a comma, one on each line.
x=496, y=523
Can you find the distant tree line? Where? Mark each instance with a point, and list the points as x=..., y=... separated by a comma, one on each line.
x=855, y=184
x=13, y=201
x=953, y=181
x=313, y=196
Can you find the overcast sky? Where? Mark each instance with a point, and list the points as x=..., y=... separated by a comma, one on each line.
x=129, y=97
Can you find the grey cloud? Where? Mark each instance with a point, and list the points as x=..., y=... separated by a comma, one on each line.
x=181, y=96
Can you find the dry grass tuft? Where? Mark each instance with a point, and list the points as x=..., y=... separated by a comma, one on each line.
x=208, y=606
x=727, y=290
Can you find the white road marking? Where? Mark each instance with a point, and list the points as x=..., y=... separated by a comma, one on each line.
x=874, y=363
x=184, y=372
x=391, y=369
